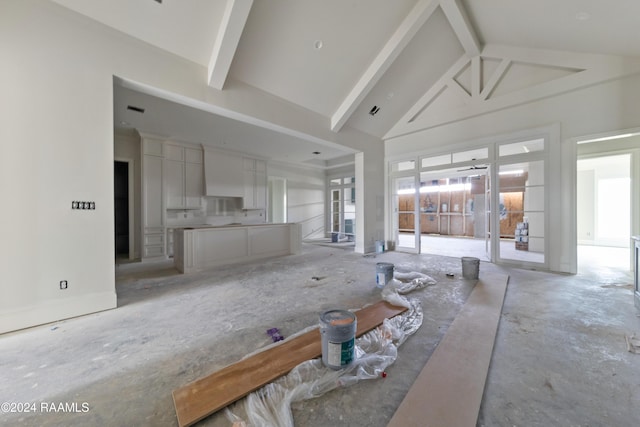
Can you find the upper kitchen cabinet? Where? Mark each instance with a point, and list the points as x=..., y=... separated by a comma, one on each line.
x=255, y=183
x=184, y=176
x=223, y=173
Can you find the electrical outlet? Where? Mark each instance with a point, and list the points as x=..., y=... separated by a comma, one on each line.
x=63, y=284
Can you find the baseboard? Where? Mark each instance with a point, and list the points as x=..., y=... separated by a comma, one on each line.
x=55, y=310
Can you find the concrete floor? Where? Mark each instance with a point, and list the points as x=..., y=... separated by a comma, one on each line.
x=560, y=356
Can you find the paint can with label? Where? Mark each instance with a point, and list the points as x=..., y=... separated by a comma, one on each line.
x=338, y=333
x=384, y=273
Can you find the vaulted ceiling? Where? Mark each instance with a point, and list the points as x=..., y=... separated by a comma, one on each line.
x=416, y=63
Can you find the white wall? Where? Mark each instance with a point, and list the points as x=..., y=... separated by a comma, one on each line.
x=305, y=196
x=57, y=145
x=596, y=109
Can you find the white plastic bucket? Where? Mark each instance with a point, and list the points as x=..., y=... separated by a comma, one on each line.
x=338, y=332
x=470, y=267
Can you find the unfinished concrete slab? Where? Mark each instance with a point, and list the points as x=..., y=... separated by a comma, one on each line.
x=449, y=389
x=201, y=398
x=560, y=356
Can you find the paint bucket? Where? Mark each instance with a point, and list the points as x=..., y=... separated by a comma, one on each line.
x=379, y=246
x=338, y=332
x=470, y=267
x=384, y=273
x=334, y=237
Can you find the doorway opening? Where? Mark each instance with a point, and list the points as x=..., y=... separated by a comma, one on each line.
x=342, y=210
x=604, y=206
x=122, y=193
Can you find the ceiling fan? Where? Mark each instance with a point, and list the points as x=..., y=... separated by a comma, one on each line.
x=473, y=168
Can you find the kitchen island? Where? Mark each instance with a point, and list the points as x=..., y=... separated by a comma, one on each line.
x=197, y=248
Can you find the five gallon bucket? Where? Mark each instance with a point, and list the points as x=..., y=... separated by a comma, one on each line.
x=338, y=332
x=384, y=273
x=470, y=267
x=379, y=246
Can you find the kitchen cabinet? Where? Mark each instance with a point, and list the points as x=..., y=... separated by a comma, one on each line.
x=184, y=177
x=152, y=198
x=205, y=247
x=223, y=173
x=255, y=183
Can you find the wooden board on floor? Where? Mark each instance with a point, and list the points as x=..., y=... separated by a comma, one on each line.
x=207, y=395
x=448, y=391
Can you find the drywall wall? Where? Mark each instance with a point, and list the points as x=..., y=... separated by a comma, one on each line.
x=305, y=196
x=604, y=107
x=58, y=146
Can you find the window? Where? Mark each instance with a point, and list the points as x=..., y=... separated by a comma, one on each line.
x=521, y=147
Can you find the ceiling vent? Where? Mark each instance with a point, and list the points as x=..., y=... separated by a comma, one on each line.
x=136, y=109
x=374, y=110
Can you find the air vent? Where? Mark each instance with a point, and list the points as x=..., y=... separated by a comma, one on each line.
x=374, y=110
x=136, y=109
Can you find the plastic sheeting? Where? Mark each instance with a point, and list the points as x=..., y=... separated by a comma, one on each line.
x=270, y=406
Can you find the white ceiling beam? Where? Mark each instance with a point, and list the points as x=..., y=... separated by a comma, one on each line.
x=476, y=76
x=461, y=25
x=604, y=68
x=458, y=89
x=495, y=78
x=394, y=46
x=551, y=58
x=434, y=91
x=233, y=22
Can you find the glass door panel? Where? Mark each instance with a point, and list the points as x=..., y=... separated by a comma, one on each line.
x=487, y=215
x=349, y=213
x=522, y=212
x=404, y=219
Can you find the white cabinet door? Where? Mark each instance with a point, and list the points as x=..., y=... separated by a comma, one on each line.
x=184, y=177
x=175, y=184
x=152, y=206
x=255, y=183
x=193, y=185
x=152, y=191
x=261, y=190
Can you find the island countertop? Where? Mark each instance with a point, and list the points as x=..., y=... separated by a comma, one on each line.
x=202, y=246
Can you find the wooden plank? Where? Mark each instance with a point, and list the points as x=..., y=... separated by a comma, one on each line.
x=448, y=391
x=207, y=395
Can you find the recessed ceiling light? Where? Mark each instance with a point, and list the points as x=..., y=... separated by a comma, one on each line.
x=582, y=16
x=318, y=44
